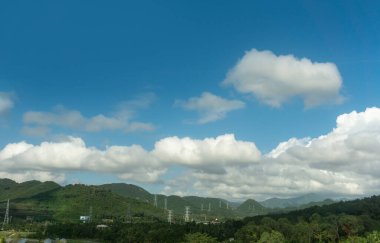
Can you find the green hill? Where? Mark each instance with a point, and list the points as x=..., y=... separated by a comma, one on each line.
x=69, y=202
x=292, y=202
x=251, y=208
x=129, y=190
x=48, y=200
x=12, y=190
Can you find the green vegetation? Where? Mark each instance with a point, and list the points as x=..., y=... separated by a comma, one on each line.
x=127, y=214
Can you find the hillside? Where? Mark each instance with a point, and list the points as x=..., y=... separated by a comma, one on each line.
x=69, y=202
x=217, y=206
x=251, y=208
x=292, y=202
x=48, y=200
x=129, y=190
x=11, y=190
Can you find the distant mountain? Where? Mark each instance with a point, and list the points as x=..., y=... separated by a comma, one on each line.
x=217, y=206
x=292, y=202
x=50, y=201
x=251, y=207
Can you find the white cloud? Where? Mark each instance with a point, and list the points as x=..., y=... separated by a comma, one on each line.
x=6, y=103
x=209, y=154
x=276, y=79
x=210, y=107
x=345, y=161
x=128, y=162
x=73, y=119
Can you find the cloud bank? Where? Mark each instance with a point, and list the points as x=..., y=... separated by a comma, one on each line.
x=345, y=161
x=210, y=107
x=276, y=79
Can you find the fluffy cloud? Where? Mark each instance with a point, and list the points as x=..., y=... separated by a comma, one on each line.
x=38, y=122
x=345, y=161
x=276, y=79
x=128, y=162
x=6, y=103
x=209, y=154
x=210, y=107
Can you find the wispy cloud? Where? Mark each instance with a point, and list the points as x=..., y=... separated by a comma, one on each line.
x=275, y=79
x=39, y=122
x=6, y=102
x=210, y=107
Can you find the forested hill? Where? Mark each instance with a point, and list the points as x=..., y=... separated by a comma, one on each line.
x=368, y=206
x=11, y=190
x=48, y=200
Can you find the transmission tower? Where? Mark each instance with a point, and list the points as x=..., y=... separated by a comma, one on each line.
x=155, y=200
x=187, y=214
x=90, y=214
x=201, y=206
x=6, y=216
x=170, y=215
x=129, y=216
x=220, y=203
x=209, y=207
x=166, y=204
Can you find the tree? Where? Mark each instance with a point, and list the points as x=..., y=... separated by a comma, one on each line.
x=373, y=237
x=199, y=238
x=351, y=225
x=272, y=237
x=247, y=233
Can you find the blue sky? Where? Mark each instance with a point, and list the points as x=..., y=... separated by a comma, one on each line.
x=122, y=73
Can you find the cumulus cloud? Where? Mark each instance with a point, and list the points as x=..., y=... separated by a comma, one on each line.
x=38, y=122
x=343, y=162
x=6, y=103
x=276, y=79
x=210, y=107
x=128, y=162
x=209, y=154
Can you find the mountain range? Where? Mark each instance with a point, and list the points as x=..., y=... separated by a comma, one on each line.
x=51, y=201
